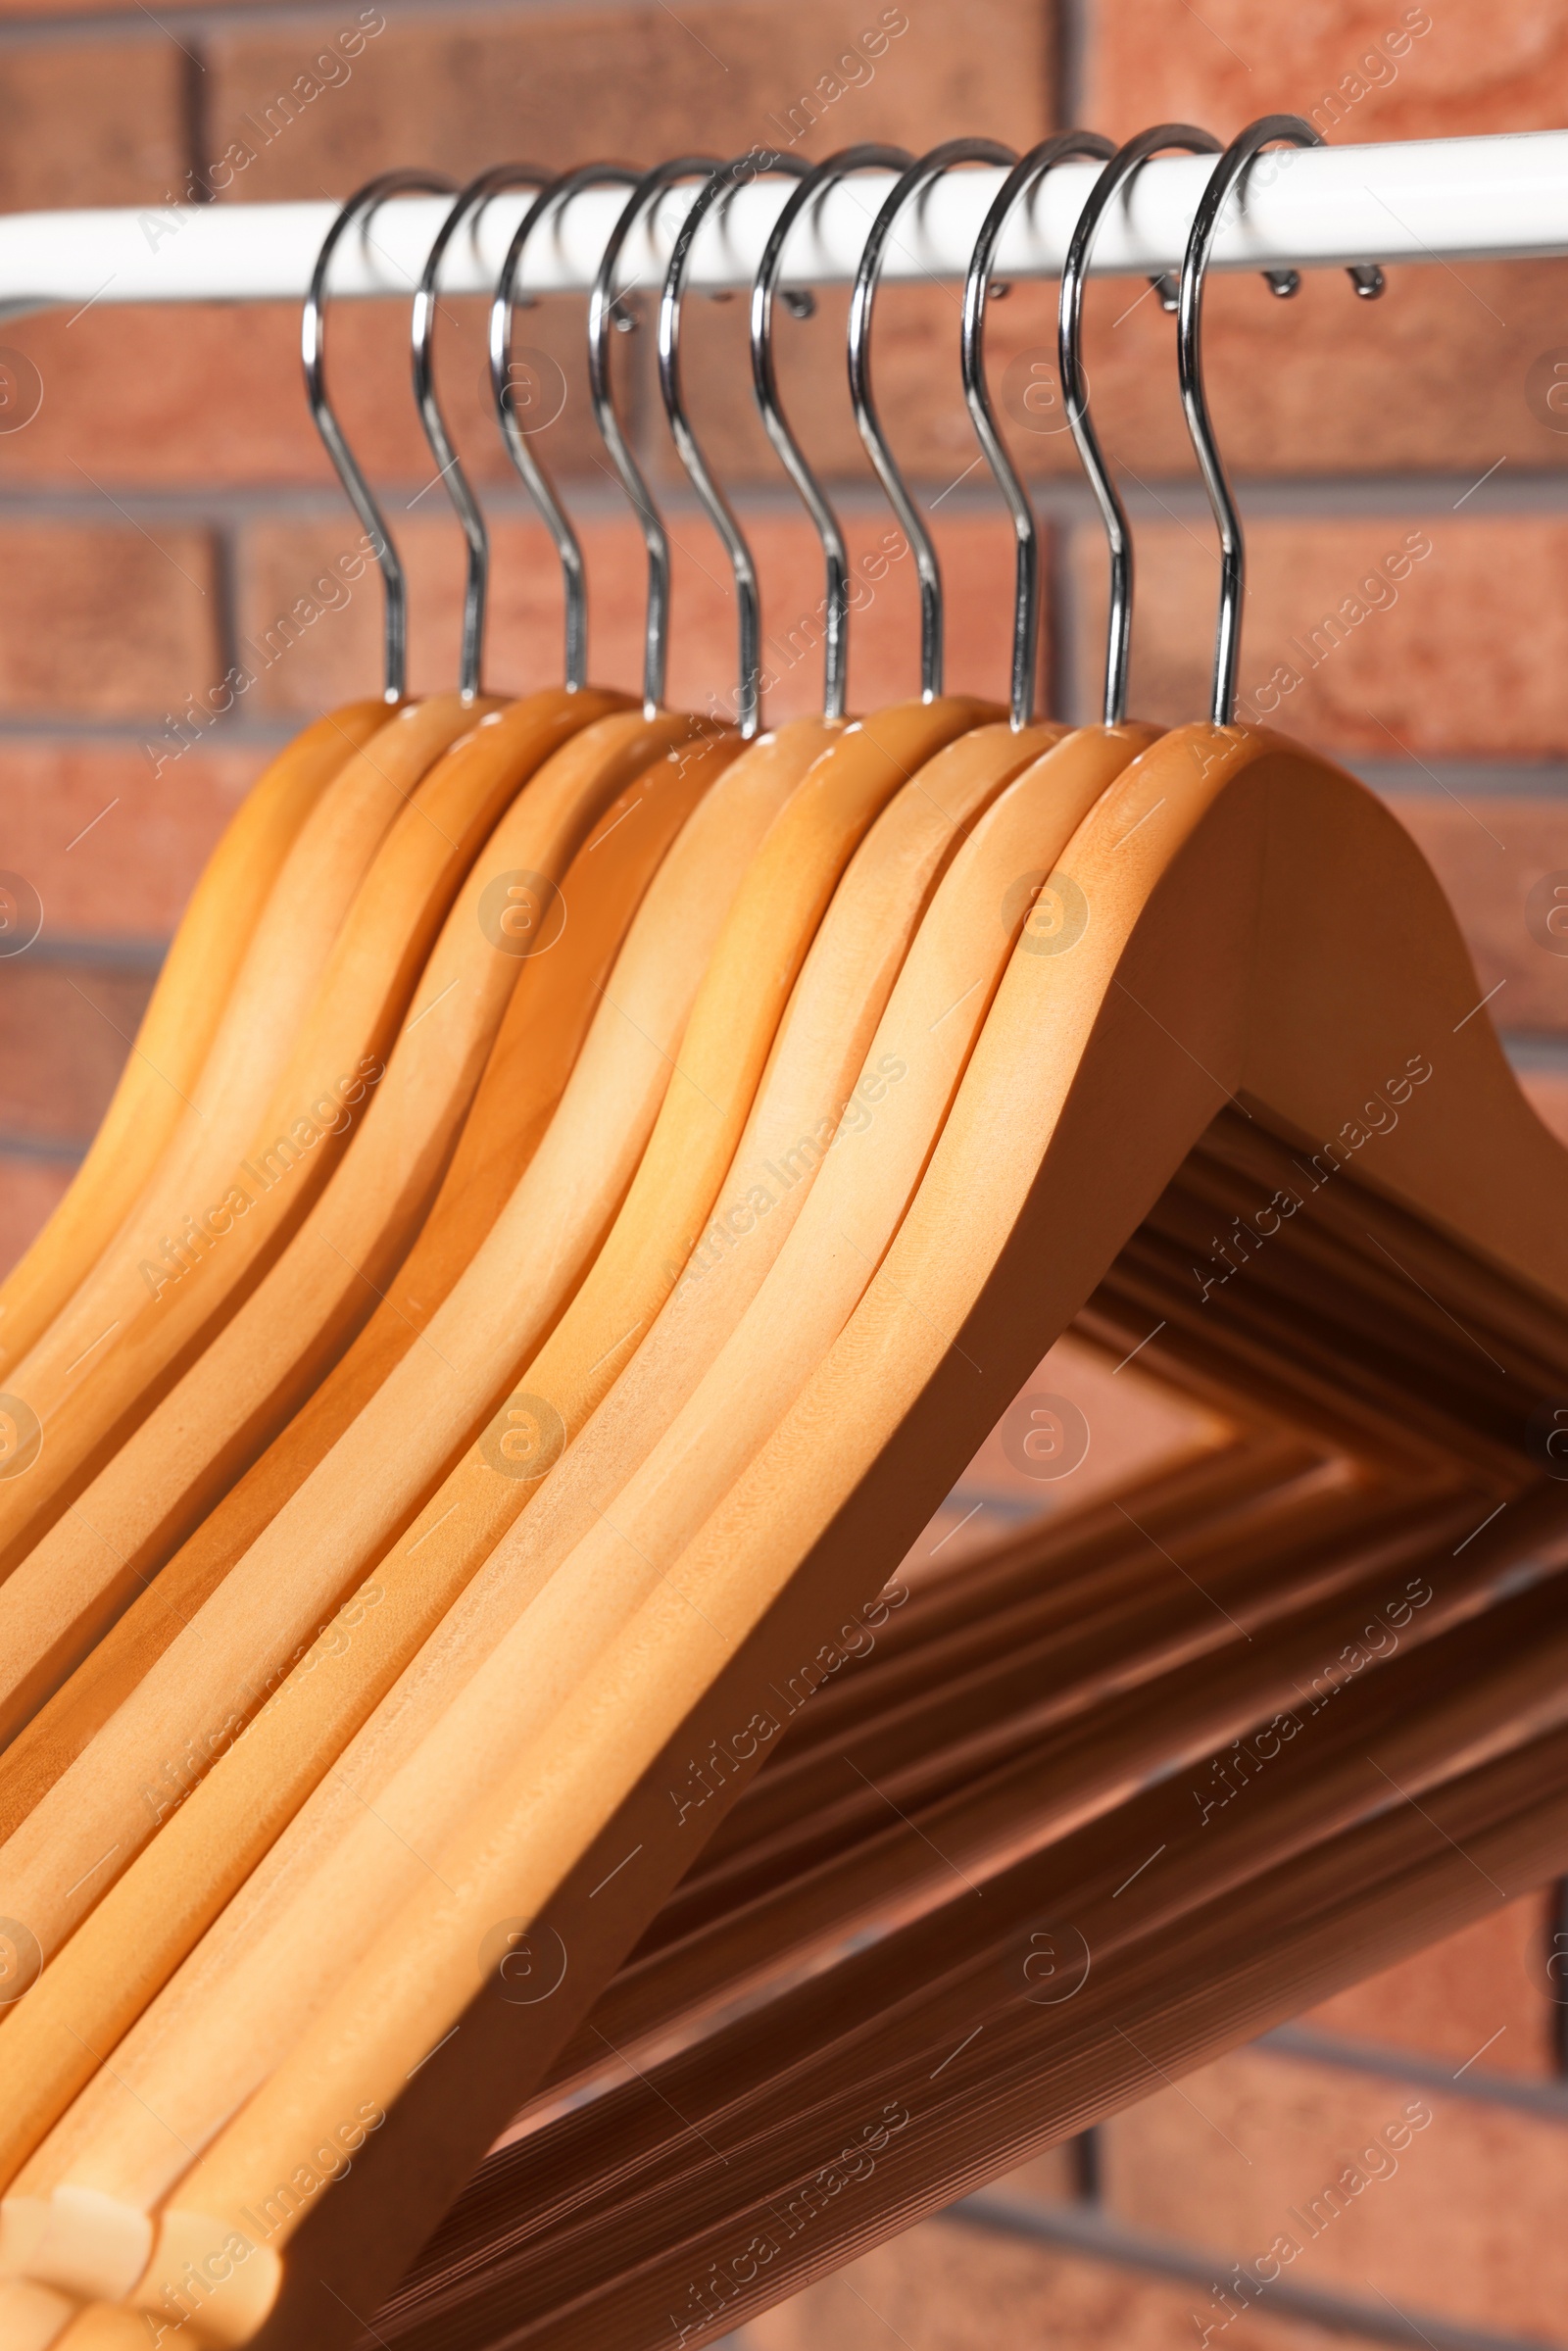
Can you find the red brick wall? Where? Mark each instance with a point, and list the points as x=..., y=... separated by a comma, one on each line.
x=168, y=499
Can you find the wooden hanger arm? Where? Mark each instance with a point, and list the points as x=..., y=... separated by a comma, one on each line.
x=178, y=1024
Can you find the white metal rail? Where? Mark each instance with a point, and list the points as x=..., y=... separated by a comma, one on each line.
x=1425, y=200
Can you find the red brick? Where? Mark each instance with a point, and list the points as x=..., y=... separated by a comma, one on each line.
x=339, y=653
x=1432, y=377
x=1463, y=664
x=111, y=848
x=1488, y=1981
x=943, y=2288
x=28, y=1192
x=1506, y=70
x=104, y=622
x=1468, y=2224
x=86, y=123
x=33, y=10
x=207, y=394
x=560, y=85
x=65, y=1032
x=1490, y=854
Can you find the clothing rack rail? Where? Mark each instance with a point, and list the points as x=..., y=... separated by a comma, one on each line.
x=1426, y=200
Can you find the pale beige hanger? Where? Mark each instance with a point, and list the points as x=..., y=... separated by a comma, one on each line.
x=911, y=1068
x=177, y=1027
x=276, y=1344
x=856, y=952
x=546, y=1019
x=243, y=1641
x=1246, y=923
x=252, y=1086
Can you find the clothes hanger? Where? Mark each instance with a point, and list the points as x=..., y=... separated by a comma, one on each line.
x=887, y=885
x=502, y=1128
x=1043, y=1181
x=556, y=1214
x=1016, y=753
x=284, y=1337
x=1257, y=1938
x=313, y=1002
x=483, y=1329
x=956, y=963
x=171, y=1045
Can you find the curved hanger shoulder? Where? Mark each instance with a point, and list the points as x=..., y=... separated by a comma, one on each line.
x=221, y=1667
x=178, y=1024
x=1223, y=865
x=294, y=948
x=340, y=1865
x=283, y=1337
x=538, y=1040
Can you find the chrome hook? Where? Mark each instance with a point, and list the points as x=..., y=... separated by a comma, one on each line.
x=313, y=352
x=1365, y=277
x=1118, y=172
x=914, y=181
x=1021, y=184
x=764, y=381
x=655, y=538
x=520, y=448
x=473, y=197
x=748, y=601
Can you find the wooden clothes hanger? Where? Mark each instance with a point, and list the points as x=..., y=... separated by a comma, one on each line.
x=237, y=1391
x=680, y=2209
x=1196, y=874
x=177, y=1027
x=1011, y=756
x=541, y=1030
x=1000, y=758
x=295, y=956
x=880, y=777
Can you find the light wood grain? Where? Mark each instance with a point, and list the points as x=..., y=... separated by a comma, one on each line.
x=276, y=1050
x=200, y=1692
x=1256, y=927
x=541, y=1031
x=183, y=1014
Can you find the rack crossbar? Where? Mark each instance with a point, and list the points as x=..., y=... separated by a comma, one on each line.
x=1423, y=200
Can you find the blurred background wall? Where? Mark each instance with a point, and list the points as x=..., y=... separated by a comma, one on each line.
x=166, y=512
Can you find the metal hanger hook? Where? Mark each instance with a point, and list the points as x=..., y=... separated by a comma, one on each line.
x=914, y=181
x=655, y=538
x=764, y=382
x=519, y=444
x=1224, y=180
x=1123, y=165
x=1021, y=185
x=748, y=601
x=471, y=199
x=313, y=352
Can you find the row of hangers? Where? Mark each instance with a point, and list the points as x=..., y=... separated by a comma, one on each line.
x=484, y=1355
